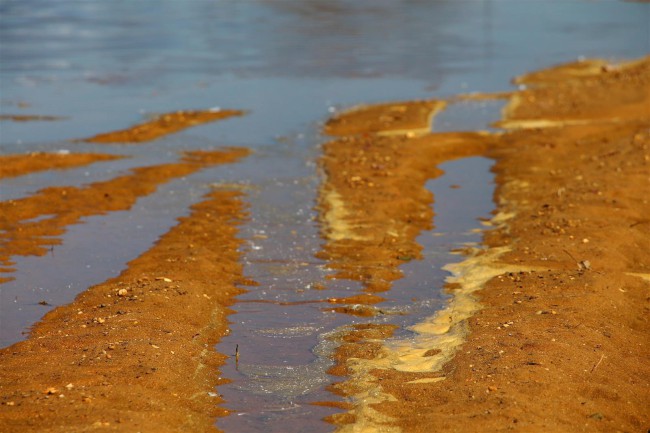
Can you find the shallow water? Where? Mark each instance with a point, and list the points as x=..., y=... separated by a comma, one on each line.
x=276, y=323
x=106, y=65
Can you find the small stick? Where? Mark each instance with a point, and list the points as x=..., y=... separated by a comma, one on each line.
x=570, y=255
x=598, y=363
x=237, y=353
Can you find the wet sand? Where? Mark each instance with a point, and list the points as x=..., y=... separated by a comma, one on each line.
x=20, y=165
x=163, y=124
x=546, y=329
x=29, y=118
x=33, y=225
x=135, y=353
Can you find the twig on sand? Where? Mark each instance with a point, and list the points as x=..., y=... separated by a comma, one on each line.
x=598, y=363
x=570, y=255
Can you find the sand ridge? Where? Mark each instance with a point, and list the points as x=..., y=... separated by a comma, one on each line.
x=559, y=337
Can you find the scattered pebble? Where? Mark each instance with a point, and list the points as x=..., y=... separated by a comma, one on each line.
x=122, y=292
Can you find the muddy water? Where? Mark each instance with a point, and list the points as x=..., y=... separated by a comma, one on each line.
x=103, y=66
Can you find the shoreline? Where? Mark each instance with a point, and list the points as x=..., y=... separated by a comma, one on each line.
x=548, y=323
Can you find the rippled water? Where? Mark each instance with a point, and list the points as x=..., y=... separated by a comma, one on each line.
x=106, y=65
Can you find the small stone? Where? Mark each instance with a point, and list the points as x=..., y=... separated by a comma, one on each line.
x=50, y=391
x=10, y=403
x=492, y=388
x=69, y=386
x=122, y=292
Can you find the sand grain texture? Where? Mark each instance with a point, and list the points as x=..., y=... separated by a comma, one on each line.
x=561, y=344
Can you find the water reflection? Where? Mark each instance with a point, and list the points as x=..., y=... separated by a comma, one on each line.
x=112, y=42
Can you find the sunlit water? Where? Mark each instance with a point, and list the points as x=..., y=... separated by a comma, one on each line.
x=106, y=65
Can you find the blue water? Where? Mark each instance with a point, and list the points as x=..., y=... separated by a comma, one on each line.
x=104, y=65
